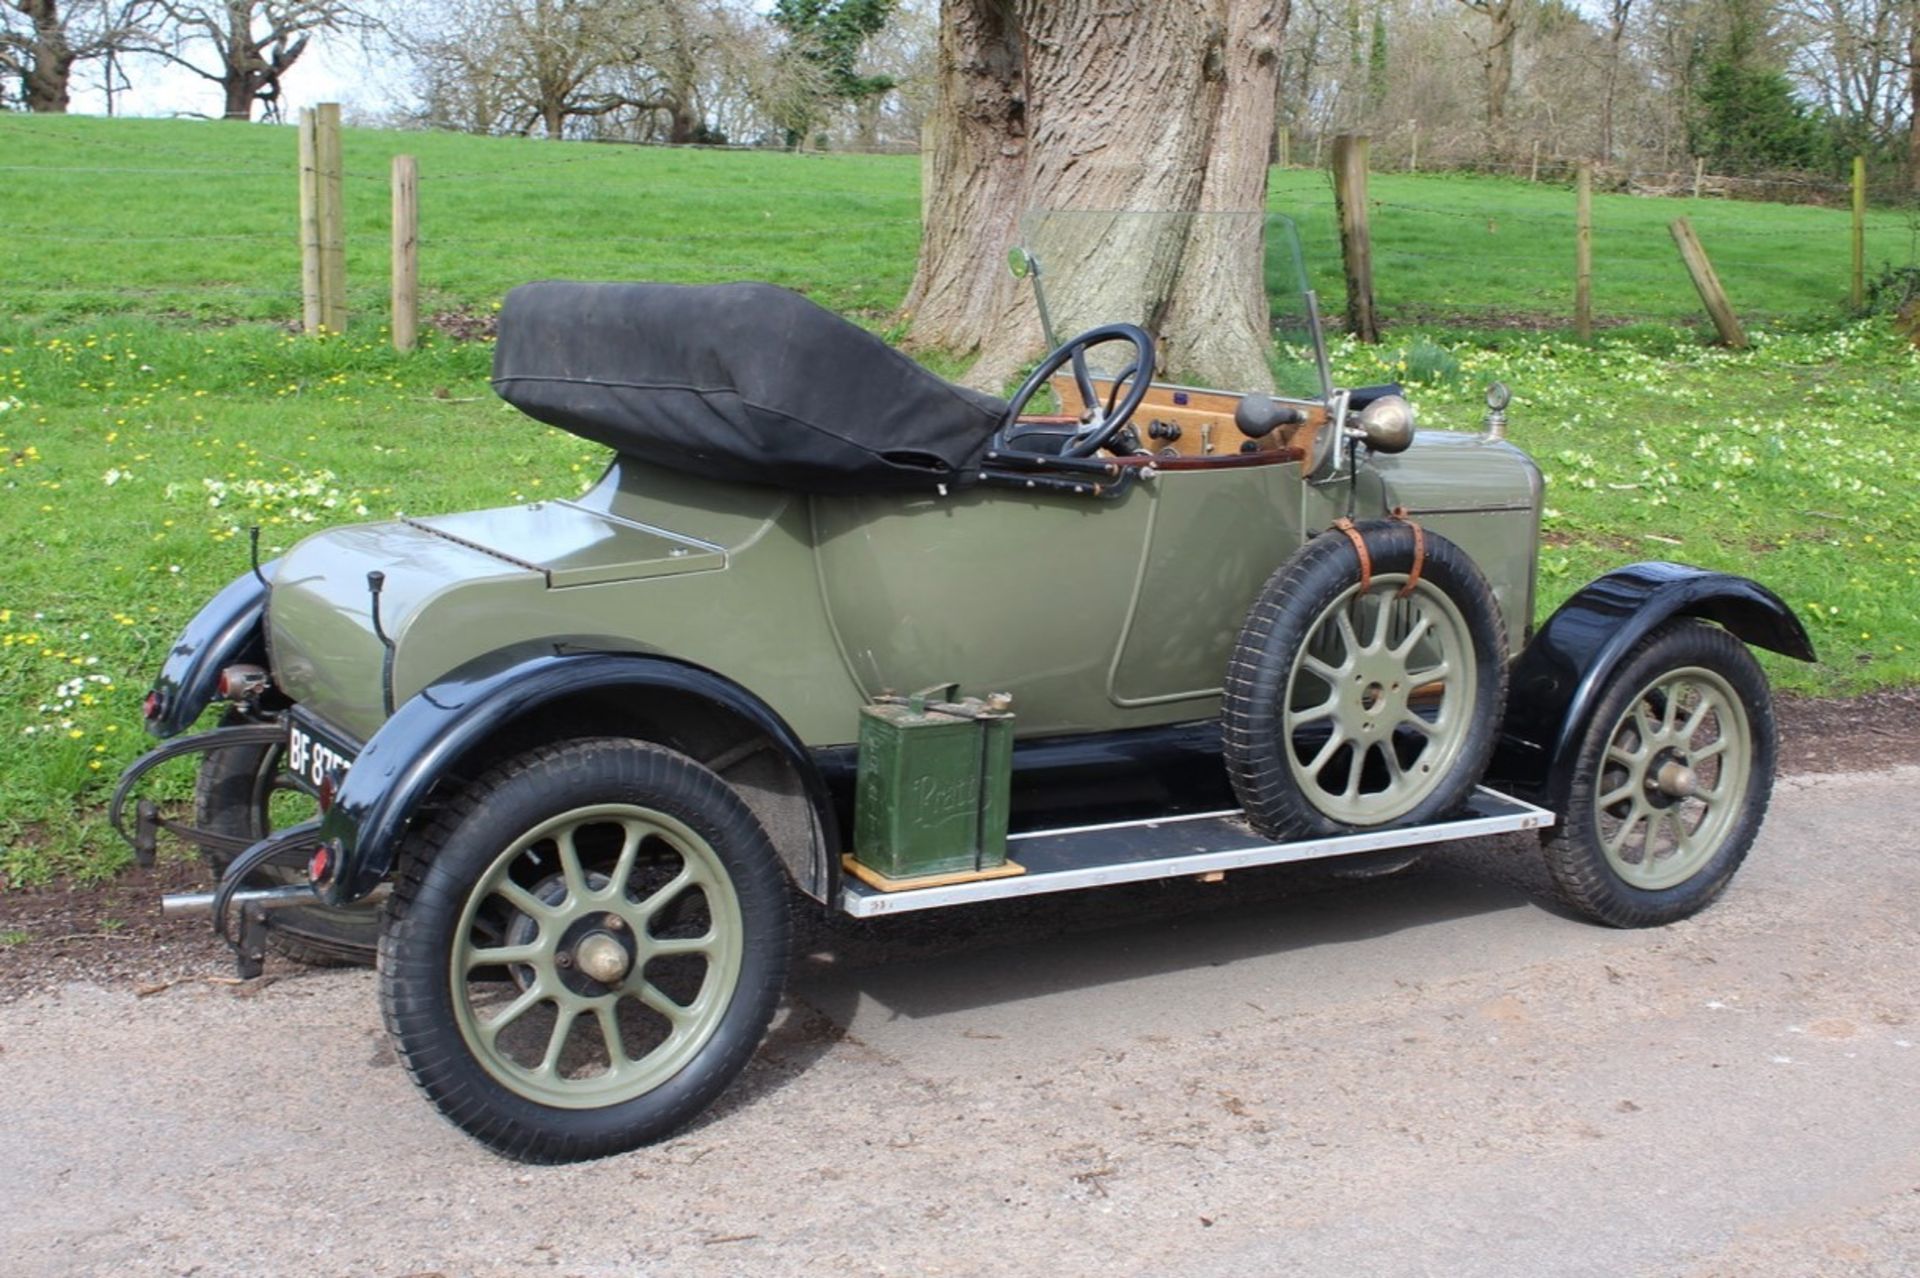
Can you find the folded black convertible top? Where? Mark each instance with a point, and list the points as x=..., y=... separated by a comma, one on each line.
x=745, y=382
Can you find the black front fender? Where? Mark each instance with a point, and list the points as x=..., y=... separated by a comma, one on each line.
x=231, y=628
x=427, y=737
x=1564, y=672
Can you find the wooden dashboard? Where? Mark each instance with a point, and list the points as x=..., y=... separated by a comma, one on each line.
x=1194, y=423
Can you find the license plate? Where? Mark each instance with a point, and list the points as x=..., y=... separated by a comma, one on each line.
x=314, y=758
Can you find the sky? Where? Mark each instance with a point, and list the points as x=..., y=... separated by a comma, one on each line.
x=333, y=69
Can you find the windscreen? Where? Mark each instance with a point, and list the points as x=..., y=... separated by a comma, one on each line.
x=1098, y=267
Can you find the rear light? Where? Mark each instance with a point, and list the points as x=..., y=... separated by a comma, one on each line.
x=241, y=683
x=321, y=865
x=325, y=797
x=153, y=705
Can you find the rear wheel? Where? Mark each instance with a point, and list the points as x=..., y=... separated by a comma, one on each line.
x=1671, y=781
x=243, y=792
x=584, y=949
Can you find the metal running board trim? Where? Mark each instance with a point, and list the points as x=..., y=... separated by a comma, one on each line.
x=1153, y=823
x=1169, y=847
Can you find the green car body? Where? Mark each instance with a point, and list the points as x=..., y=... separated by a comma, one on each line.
x=1094, y=615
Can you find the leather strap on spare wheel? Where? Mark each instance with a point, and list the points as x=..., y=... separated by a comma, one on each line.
x=1345, y=525
x=1419, y=550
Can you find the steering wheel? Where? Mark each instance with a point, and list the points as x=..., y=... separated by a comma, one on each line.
x=1099, y=422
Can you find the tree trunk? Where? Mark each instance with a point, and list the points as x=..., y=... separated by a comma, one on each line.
x=238, y=86
x=1616, y=33
x=1078, y=105
x=1503, y=26
x=683, y=74
x=972, y=167
x=239, y=79
x=1216, y=330
x=1913, y=98
x=49, y=61
x=1606, y=108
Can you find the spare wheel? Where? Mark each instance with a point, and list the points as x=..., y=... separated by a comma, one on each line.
x=1367, y=684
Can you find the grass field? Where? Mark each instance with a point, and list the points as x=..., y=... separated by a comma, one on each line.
x=141, y=431
x=198, y=220
x=1452, y=246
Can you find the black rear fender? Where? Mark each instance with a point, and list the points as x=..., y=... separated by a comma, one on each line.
x=1564, y=671
x=230, y=629
x=504, y=704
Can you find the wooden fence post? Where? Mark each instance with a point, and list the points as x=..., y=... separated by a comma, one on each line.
x=1859, y=293
x=1583, y=252
x=333, y=222
x=1699, y=174
x=406, y=253
x=1356, y=245
x=310, y=291
x=1283, y=145
x=1413, y=154
x=1715, y=297
x=1534, y=174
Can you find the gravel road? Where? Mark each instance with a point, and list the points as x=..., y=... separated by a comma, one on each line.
x=1277, y=1075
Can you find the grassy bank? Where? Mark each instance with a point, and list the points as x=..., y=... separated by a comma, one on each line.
x=196, y=220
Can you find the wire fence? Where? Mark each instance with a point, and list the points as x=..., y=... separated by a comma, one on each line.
x=98, y=222
x=1470, y=249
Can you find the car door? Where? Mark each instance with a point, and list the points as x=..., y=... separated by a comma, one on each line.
x=1215, y=533
x=993, y=588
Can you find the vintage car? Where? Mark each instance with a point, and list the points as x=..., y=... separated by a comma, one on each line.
x=830, y=629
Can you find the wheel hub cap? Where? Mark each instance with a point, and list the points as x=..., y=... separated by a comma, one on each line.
x=602, y=958
x=1676, y=780
x=1377, y=704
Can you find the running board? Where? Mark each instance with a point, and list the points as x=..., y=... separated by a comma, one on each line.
x=1086, y=856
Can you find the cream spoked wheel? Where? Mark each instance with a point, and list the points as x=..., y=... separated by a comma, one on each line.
x=1360, y=698
x=584, y=949
x=1379, y=701
x=1671, y=781
x=1673, y=778
x=619, y=974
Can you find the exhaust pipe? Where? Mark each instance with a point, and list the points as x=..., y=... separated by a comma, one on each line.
x=178, y=905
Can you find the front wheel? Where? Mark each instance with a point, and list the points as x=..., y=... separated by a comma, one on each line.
x=1670, y=783
x=584, y=949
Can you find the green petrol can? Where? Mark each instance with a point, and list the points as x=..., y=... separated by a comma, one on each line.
x=934, y=778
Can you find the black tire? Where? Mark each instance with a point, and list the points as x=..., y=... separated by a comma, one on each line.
x=234, y=794
x=449, y=908
x=1657, y=873
x=1378, y=748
